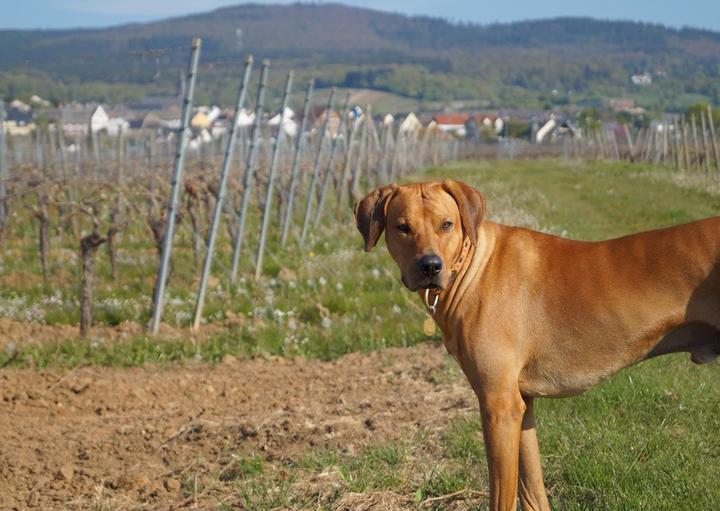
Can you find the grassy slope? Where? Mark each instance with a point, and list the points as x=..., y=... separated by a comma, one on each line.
x=649, y=437
x=646, y=439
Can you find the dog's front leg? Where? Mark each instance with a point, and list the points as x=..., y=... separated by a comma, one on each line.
x=502, y=415
x=532, y=487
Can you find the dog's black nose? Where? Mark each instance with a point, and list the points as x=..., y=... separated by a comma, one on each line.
x=430, y=265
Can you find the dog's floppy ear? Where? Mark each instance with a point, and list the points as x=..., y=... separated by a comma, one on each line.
x=370, y=214
x=471, y=204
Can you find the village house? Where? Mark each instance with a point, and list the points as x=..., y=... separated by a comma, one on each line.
x=19, y=122
x=99, y=120
x=553, y=127
x=452, y=123
x=74, y=119
x=479, y=123
x=165, y=119
x=287, y=122
x=410, y=124
x=642, y=79
x=317, y=118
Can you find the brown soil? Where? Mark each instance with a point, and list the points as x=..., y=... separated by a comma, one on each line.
x=107, y=438
x=18, y=333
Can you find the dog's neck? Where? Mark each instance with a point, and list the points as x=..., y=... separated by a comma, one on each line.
x=470, y=265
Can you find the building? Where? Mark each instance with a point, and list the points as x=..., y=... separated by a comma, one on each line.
x=409, y=124
x=641, y=79
x=19, y=122
x=75, y=119
x=99, y=120
x=452, y=123
x=286, y=121
x=318, y=116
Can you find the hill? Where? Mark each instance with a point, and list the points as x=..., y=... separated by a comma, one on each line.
x=532, y=63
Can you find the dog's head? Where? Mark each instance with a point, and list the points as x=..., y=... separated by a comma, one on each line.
x=425, y=225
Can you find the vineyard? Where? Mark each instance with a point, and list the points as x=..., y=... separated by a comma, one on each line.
x=191, y=325
x=88, y=227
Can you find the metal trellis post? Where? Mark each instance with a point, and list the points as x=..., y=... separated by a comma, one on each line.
x=3, y=170
x=316, y=167
x=295, y=164
x=161, y=280
x=271, y=179
x=345, y=112
x=249, y=171
x=220, y=198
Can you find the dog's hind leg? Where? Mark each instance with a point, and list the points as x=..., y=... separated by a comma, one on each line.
x=531, y=486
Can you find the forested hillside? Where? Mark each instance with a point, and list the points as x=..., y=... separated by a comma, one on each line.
x=533, y=63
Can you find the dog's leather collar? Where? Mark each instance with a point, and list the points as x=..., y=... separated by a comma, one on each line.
x=454, y=269
x=463, y=254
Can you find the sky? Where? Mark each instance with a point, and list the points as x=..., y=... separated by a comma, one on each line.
x=96, y=13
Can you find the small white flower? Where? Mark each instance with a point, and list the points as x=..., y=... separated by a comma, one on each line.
x=322, y=281
x=339, y=286
x=376, y=273
x=326, y=322
x=396, y=309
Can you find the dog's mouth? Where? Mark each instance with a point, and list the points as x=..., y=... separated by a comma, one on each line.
x=432, y=284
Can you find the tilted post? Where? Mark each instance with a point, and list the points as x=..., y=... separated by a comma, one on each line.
x=706, y=148
x=716, y=152
x=316, y=167
x=161, y=280
x=628, y=137
x=3, y=169
x=686, y=151
x=220, y=198
x=295, y=164
x=271, y=179
x=696, y=142
x=331, y=163
x=346, y=167
x=249, y=170
x=394, y=157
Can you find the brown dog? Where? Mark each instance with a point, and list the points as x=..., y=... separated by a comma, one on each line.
x=530, y=315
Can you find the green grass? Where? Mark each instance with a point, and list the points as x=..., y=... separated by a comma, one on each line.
x=329, y=297
x=647, y=439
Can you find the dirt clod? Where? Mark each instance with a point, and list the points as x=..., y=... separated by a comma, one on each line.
x=65, y=473
x=172, y=485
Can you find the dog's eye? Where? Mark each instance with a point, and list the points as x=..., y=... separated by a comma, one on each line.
x=403, y=228
x=446, y=225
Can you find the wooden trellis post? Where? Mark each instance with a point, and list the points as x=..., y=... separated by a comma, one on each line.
x=714, y=140
x=706, y=148
x=696, y=142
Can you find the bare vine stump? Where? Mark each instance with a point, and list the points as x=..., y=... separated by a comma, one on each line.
x=88, y=247
x=43, y=241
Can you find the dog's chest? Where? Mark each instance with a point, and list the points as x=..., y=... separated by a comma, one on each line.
x=561, y=379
